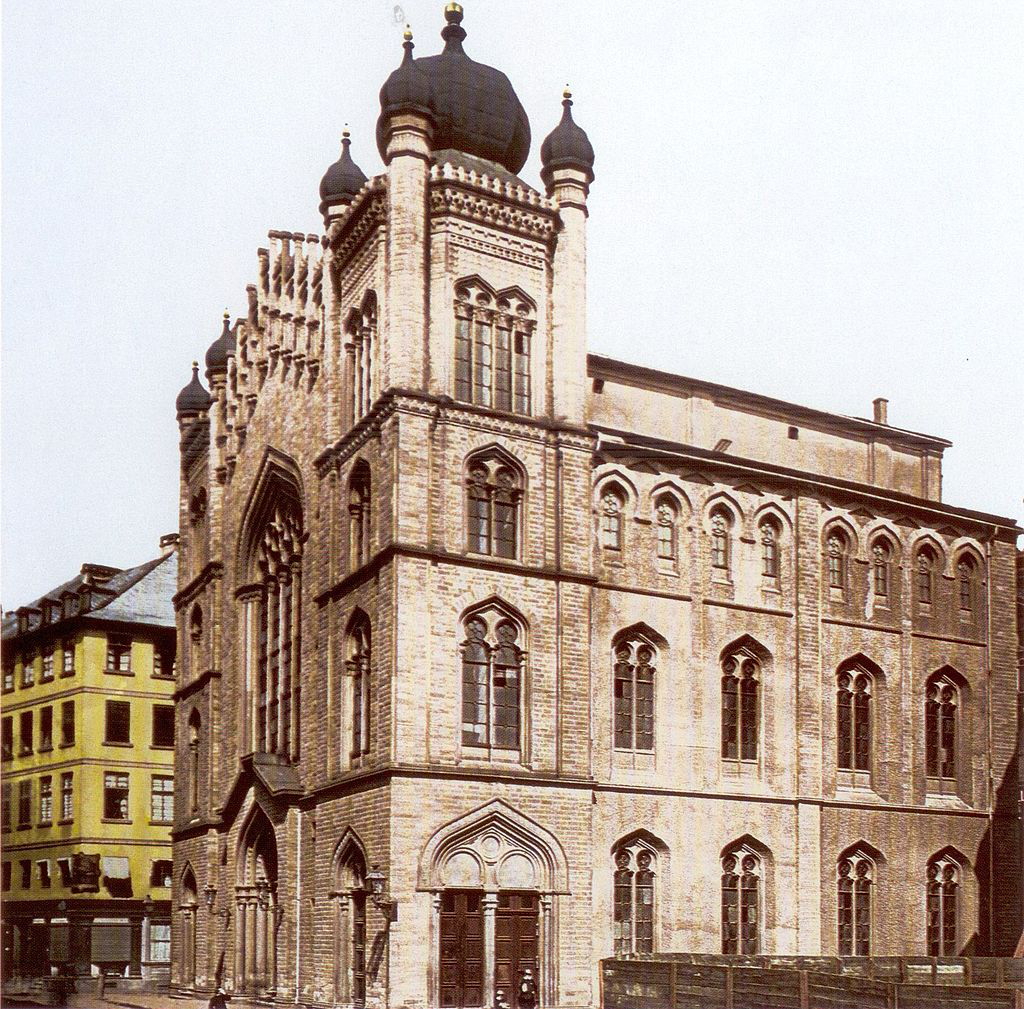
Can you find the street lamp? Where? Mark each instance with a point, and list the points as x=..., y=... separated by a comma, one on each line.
x=148, y=906
x=210, y=893
x=375, y=881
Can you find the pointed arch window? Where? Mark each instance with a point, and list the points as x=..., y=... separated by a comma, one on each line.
x=350, y=927
x=362, y=349
x=966, y=573
x=277, y=616
x=494, y=493
x=359, y=674
x=925, y=576
x=881, y=558
x=492, y=670
x=634, y=695
x=359, y=514
x=721, y=548
x=613, y=501
x=942, y=702
x=492, y=348
x=854, y=877
x=194, y=726
x=854, y=689
x=837, y=550
x=741, y=674
x=943, y=895
x=634, y=896
x=741, y=901
x=770, y=561
x=667, y=521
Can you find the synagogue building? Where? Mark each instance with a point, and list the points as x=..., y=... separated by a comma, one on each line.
x=497, y=658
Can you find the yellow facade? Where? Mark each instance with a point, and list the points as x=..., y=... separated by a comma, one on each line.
x=97, y=694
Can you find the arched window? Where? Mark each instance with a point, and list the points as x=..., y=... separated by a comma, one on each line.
x=966, y=573
x=359, y=514
x=837, y=548
x=350, y=927
x=740, y=708
x=493, y=496
x=634, y=695
x=362, y=348
x=195, y=633
x=741, y=901
x=943, y=893
x=854, y=877
x=359, y=673
x=667, y=520
x=721, y=527
x=188, y=907
x=942, y=701
x=881, y=558
x=194, y=726
x=492, y=347
x=635, y=874
x=277, y=679
x=612, y=503
x=492, y=666
x=853, y=706
x=925, y=575
x=770, y=563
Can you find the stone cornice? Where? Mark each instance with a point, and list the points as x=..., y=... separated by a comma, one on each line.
x=194, y=686
x=498, y=205
x=211, y=571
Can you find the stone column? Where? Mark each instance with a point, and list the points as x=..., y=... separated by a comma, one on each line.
x=490, y=904
x=250, y=943
x=240, y=950
x=296, y=656
x=547, y=954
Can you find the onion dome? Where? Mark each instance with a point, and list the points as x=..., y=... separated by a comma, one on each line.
x=567, y=146
x=221, y=349
x=193, y=398
x=474, y=107
x=342, y=180
x=406, y=90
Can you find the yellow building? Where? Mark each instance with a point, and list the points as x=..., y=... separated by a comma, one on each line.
x=87, y=720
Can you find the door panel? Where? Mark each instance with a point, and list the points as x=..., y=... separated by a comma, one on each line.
x=461, y=949
x=516, y=942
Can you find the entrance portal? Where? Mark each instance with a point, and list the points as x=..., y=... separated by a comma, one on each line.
x=516, y=943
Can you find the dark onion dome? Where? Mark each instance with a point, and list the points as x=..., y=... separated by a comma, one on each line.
x=474, y=107
x=221, y=349
x=406, y=90
x=342, y=180
x=567, y=146
x=193, y=398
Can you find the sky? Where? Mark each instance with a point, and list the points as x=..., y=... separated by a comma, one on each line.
x=820, y=202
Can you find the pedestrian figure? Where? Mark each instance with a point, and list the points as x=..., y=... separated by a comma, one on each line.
x=527, y=991
x=219, y=1000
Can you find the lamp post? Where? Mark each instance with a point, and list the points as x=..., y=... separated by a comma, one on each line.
x=210, y=894
x=375, y=881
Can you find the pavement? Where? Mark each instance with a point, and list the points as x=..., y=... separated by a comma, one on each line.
x=118, y=1000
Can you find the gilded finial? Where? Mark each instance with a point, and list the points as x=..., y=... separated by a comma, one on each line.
x=453, y=12
x=195, y=367
x=345, y=133
x=227, y=315
x=407, y=34
x=567, y=93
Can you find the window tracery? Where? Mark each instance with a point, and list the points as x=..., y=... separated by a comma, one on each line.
x=362, y=351
x=493, y=498
x=837, y=548
x=925, y=575
x=613, y=501
x=634, y=885
x=741, y=901
x=634, y=674
x=492, y=348
x=741, y=675
x=943, y=895
x=667, y=524
x=721, y=547
x=854, y=702
x=359, y=514
x=359, y=673
x=770, y=561
x=855, y=873
x=966, y=574
x=492, y=670
x=881, y=558
x=942, y=702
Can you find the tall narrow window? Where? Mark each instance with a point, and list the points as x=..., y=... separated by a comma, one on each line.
x=854, y=905
x=837, y=548
x=24, y=803
x=7, y=745
x=46, y=728
x=359, y=514
x=741, y=902
x=493, y=497
x=943, y=892
x=770, y=565
x=115, y=796
x=47, y=671
x=612, y=503
x=925, y=575
x=362, y=349
x=45, y=800
x=492, y=665
x=119, y=653
x=881, y=558
x=67, y=657
x=25, y=729
x=278, y=660
x=5, y=807
x=740, y=707
x=359, y=671
x=633, y=899
x=162, y=799
x=67, y=796
x=67, y=723
x=853, y=705
x=965, y=577
x=667, y=519
x=194, y=726
x=721, y=526
x=942, y=699
x=28, y=670
x=634, y=695
x=492, y=347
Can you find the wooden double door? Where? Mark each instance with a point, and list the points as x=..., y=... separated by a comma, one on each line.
x=469, y=970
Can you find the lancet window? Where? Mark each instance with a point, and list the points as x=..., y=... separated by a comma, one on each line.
x=942, y=702
x=741, y=674
x=943, y=894
x=634, y=673
x=837, y=551
x=362, y=351
x=666, y=516
x=966, y=573
x=741, y=901
x=492, y=672
x=359, y=514
x=634, y=883
x=925, y=575
x=721, y=535
x=611, y=506
x=770, y=561
x=853, y=711
x=853, y=886
x=494, y=495
x=881, y=559
x=359, y=675
x=493, y=334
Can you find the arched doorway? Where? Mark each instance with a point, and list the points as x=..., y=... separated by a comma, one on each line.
x=349, y=894
x=256, y=917
x=187, y=931
x=494, y=876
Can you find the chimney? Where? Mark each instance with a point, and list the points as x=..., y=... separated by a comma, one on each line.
x=881, y=411
x=169, y=543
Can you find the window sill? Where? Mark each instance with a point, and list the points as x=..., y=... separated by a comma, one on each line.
x=24, y=826
x=46, y=679
x=123, y=822
x=46, y=825
x=161, y=823
x=65, y=823
x=633, y=752
x=25, y=753
x=123, y=746
x=118, y=672
x=163, y=676
x=162, y=746
x=46, y=749
x=64, y=746
x=67, y=676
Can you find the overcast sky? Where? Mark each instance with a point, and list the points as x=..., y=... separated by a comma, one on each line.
x=818, y=201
